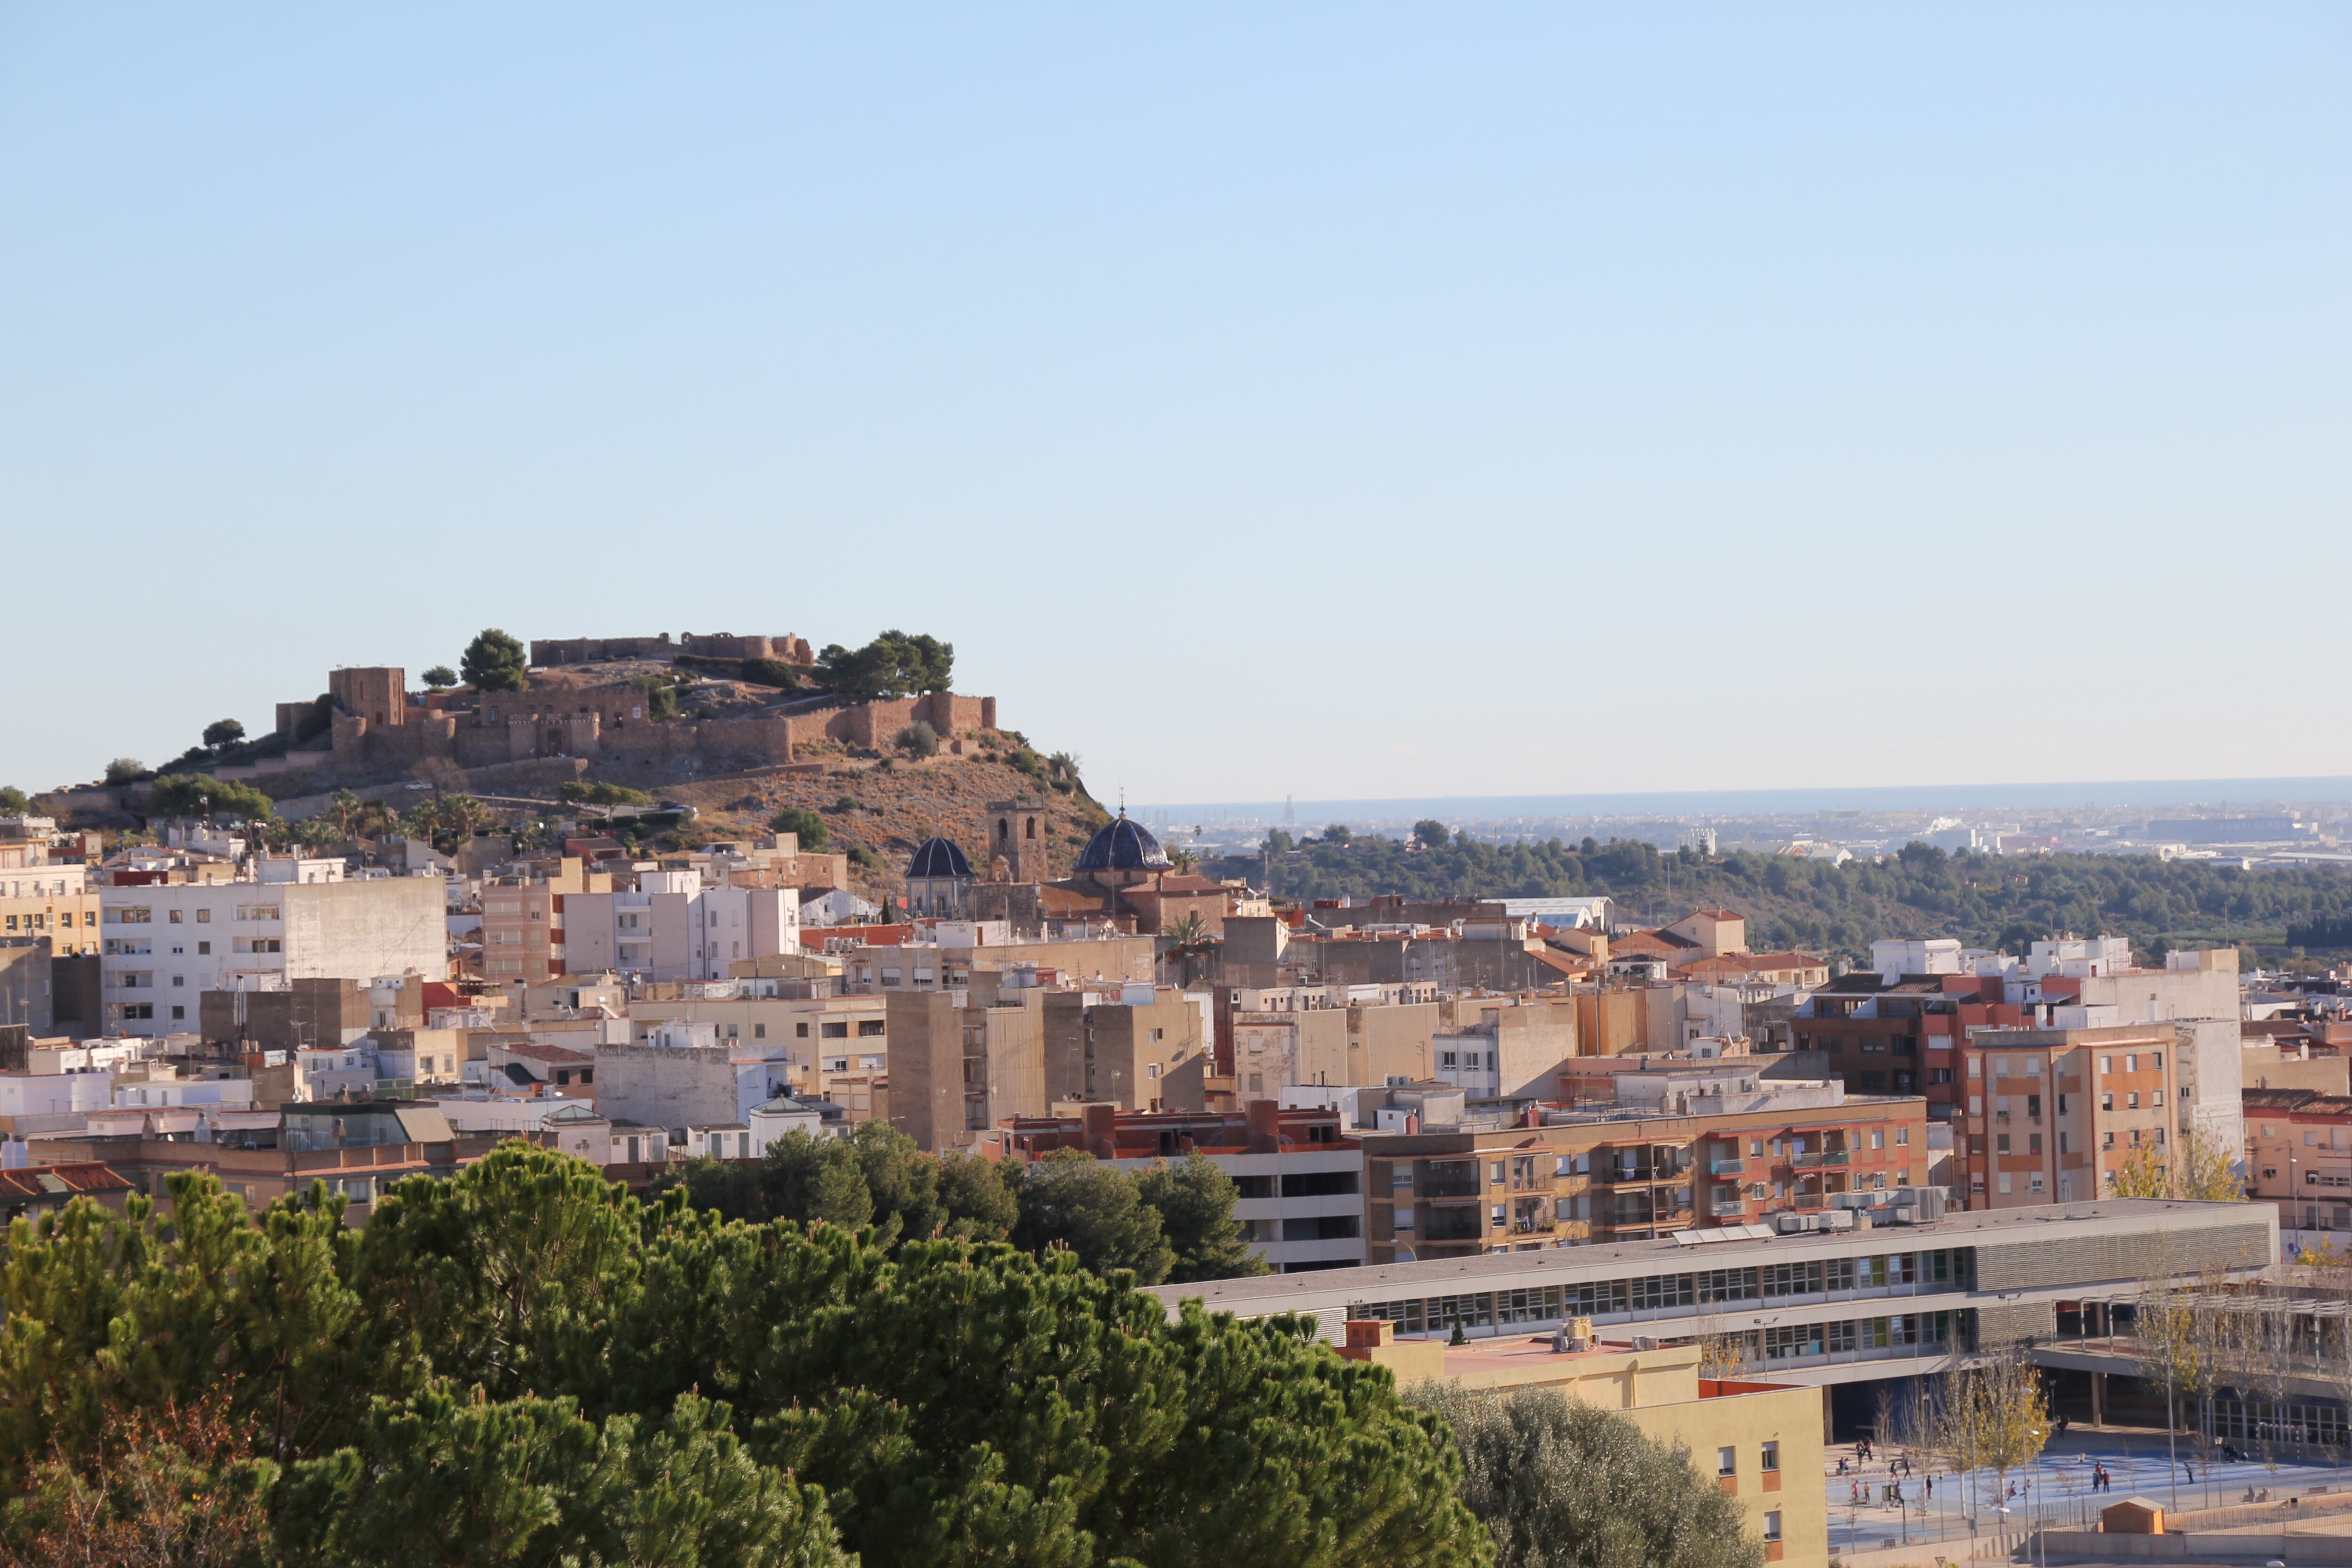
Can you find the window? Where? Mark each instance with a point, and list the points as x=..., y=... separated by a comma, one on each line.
x=1771, y=1461
x=832, y=1031
x=1976, y=1067
x=204, y=916
x=2106, y=1099
x=135, y=915
x=2131, y=1063
x=1494, y=1175
x=2156, y=1097
x=1756, y=1148
x=2033, y=1182
x=2004, y=1181
x=1902, y=1138
x=2131, y=1100
x=2106, y=1064
x=2156, y=1061
x=1878, y=1138
x=1772, y=1527
x=1727, y=1461
x=2033, y=1146
x=758, y=1031
x=2001, y=1144
x=867, y=1028
x=175, y=916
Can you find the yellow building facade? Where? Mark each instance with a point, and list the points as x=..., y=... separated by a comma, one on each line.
x=1760, y=1442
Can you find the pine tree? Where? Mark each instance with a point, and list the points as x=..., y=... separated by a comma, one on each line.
x=1195, y=1201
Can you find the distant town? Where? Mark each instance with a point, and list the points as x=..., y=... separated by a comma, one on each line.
x=670, y=905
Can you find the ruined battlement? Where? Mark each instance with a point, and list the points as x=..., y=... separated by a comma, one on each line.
x=789, y=648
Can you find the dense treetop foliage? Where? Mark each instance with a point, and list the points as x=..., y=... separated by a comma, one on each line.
x=522, y=1364
x=1983, y=900
x=1171, y=1222
x=893, y=665
x=494, y=661
x=1562, y=1484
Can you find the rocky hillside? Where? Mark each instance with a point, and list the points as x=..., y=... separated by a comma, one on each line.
x=887, y=806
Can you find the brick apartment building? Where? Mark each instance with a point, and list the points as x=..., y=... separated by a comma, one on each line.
x=2052, y=1115
x=1568, y=1177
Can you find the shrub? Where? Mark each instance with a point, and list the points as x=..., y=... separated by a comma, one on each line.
x=917, y=739
x=814, y=833
x=317, y=721
x=771, y=672
x=124, y=770
x=579, y=793
x=192, y=795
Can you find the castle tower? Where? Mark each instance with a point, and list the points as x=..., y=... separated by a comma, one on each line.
x=1016, y=831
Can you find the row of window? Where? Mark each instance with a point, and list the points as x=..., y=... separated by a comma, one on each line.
x=142, y=914
x=1954, y=1268
x=41, y=921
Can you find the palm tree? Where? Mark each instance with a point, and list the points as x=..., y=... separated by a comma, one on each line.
x=1188, y=941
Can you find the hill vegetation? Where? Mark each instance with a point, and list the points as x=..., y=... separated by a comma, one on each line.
x=1984, y=900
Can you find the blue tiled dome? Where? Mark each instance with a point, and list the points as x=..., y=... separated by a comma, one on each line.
x=1122, y=845
x=938, y=857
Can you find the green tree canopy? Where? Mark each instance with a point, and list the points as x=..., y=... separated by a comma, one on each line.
x=201, y=795
x=1194, y=1199
x=124, y=770
x=1432, y=833
x=524, y=1365
x=1983, y=900
x=893, y=665
x=440, y=677
x=223, y=733
x=1562, y=1484
x=814, y=832
x=494, y=661
x=1069, y=1198
x=13, y=801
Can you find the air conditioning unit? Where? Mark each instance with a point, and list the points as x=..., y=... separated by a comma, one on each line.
x=1905, y=1213
x=1840, y=1219
x=1645, y=1341
x=1931, y=1201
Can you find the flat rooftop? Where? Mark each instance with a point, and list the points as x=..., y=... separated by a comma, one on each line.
x=2110, y=1216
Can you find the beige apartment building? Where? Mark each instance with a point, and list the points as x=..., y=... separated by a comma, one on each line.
x=2051, y=1115
x=835, y=1048
x=964, y=1060
x=51, y=899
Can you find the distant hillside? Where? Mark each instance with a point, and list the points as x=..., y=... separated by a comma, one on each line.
x=1982, y=899
x=884, y=812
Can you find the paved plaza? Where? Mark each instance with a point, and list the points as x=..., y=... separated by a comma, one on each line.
x=2056, y=1489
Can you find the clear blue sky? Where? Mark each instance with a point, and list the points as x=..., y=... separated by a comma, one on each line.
x=1349, y=401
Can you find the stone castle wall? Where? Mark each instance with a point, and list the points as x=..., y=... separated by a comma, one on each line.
x=548, y=652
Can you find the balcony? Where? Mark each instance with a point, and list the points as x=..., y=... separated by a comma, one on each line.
x=1826, y=1157
x=1452, y=1187
x=1451, y=1225
x=1727, y=1167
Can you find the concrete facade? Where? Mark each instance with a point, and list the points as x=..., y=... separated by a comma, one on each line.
x=163, y=946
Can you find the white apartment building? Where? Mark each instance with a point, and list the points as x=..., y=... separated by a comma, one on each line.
x=163, y=947
x=673, y=928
